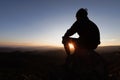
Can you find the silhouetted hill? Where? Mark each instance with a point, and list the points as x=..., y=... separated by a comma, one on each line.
x=35, y=63
x=108, y=49
x=17, y=63
x=40, y=48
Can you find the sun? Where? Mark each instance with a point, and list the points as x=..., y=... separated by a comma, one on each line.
x=71, y=46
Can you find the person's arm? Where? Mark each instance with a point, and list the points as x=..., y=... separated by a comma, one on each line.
x=65, y=38
x=71, y=31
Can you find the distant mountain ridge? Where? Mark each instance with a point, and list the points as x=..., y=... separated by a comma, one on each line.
x=40, y=48
x=100, y=49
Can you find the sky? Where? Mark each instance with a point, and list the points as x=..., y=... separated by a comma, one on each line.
x=44, y=22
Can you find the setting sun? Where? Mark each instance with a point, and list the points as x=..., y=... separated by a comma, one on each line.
x=71, y=46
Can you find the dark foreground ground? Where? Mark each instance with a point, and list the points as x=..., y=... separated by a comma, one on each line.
x=18, y=64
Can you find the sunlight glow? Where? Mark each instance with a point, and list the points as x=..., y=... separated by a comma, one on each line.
x=71, y=46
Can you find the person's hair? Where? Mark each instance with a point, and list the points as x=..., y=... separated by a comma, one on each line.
x=82, y=12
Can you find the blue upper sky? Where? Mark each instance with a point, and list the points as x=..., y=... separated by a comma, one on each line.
x=44, y=22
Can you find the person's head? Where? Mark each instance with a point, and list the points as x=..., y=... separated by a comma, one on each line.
x=81, y=13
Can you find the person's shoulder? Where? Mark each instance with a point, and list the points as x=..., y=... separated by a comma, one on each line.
x=76, y=23
x=93, y=25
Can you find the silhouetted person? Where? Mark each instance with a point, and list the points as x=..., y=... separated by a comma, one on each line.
x=86, y=29
x=85, y=63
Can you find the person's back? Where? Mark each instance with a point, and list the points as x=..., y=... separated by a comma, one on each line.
x=89, y=33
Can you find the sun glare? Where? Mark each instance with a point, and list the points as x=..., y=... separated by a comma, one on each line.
x=71, y=46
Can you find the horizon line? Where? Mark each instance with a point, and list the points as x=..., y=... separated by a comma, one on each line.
x=47, y=46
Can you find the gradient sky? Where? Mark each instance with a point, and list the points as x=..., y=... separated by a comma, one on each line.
x=44, y=22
